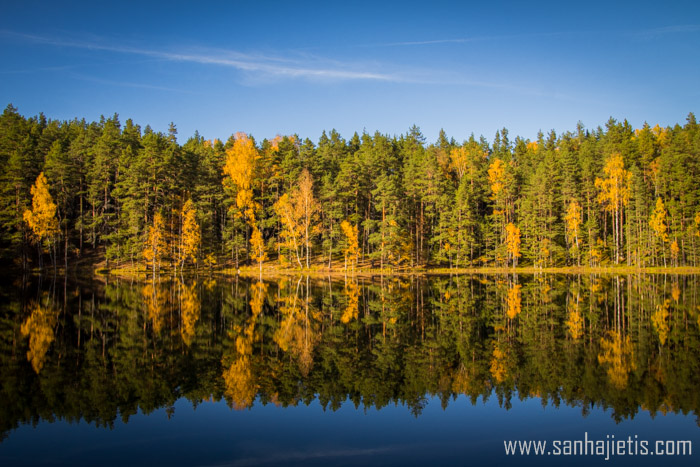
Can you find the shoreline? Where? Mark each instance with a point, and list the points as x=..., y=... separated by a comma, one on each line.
x=274, y=272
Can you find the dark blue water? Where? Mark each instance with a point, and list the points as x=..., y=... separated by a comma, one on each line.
x=462, y=434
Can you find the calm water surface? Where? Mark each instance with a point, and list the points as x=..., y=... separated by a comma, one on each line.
x=303, y=371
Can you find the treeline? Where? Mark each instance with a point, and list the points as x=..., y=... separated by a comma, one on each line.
x=613, y=195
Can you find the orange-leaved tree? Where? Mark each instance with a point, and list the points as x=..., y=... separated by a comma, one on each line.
x=257, y=246
x=42, y=219
x=657, y=222
x=615, y=194
x=573, y=220
x=307, y=208
x=191, y=237
x=156, y=243
x=240, y=166
x=239, y=170
x=513, y=242
x=352, y=244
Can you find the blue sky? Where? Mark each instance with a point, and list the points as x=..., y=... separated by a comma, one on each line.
x=270, y=68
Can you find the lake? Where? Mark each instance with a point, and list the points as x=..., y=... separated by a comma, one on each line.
x=408, y=370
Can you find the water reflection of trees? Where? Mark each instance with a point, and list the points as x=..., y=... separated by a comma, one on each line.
x=93, y=352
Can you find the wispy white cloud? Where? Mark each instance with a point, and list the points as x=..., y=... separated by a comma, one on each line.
x=651, y=32
x=35, y=70
x=667, y=30
x=265, y=65
x=464, y=40
x=263, y=69
x=127, y=84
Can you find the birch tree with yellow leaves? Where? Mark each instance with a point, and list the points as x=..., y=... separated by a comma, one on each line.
x=614, y=194
x=239, y=170
x=156, y=244
x=573, y=220
x=352, y=245
x=298, y=211
x=191, y=236
x=658, y=224
x=42, y=219
x=513, y=242
x=257, y=246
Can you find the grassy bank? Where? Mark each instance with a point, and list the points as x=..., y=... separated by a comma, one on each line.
x=272, y=270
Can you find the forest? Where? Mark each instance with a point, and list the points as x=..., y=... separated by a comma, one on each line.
x=73, y=192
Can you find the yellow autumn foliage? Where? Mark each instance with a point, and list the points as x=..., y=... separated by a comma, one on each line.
x=617, y=355
x=351, y=238
x=573, y=220
x=616, y=185
x=658, y=221
x=351, y=312
x=514, y=301
x=155, y=300
x=513, y=242
x=156, y=243
x=240, y=166
x=499, y=365
x=40, y=328
x=660, y=320
x=257, y=246
x=497, y=172
x=191, y=236
x=574, y=323
x=191, y=310
x=41, y=219
x=675, y=250
x=241, y=388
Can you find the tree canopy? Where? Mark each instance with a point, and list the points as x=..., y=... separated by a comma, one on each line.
x=612, y=195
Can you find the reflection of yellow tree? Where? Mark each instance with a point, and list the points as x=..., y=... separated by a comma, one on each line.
x=40, y=328
x=659, y=320
x=574, y=322
x=240, y=386
x=514, y=301
x=154, y=298
x=351, y=310
x=499, y=365
x=258, y=291
x=617, y=354
x=239, y=379
x=675, y=292
x=465, y=380
x=297, y=333
x=191, y=308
